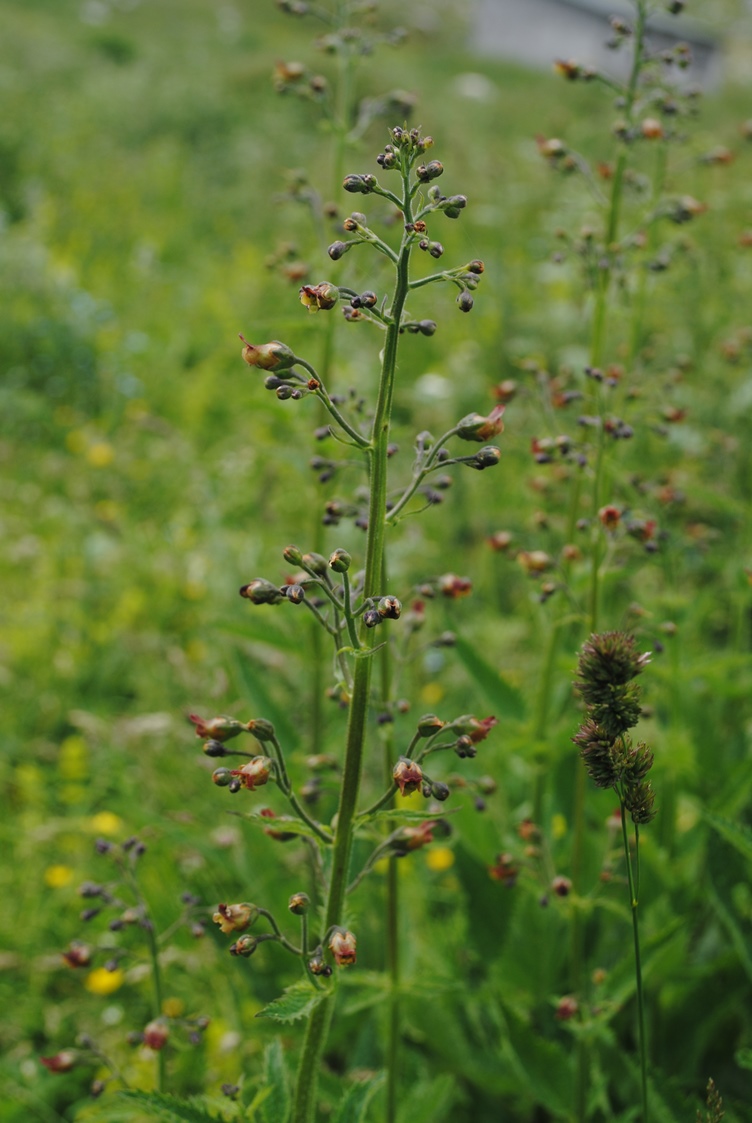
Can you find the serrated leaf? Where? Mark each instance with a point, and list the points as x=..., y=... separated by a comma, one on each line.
x=500, y=694
x=161, y=1105
x=352, y=1107
x=276, y=1107
x=289, y=824
x=736, y=834
x=298, y=1001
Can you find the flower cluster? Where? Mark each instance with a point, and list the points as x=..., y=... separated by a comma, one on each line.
x=606, y=670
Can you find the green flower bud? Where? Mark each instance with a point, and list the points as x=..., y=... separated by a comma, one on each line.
x=440, y=791
x=268, y=356
x=244, y=946
x=261, y=729
x=389, y=608
x=488, y=457
x=222, y=777
x=260, y=591
x=465, y=302
x=316, y=563
x=427, y=172
x=337, y=250
x=293, y=555
x=299, y=904
x=430, y=724
x=340, y=561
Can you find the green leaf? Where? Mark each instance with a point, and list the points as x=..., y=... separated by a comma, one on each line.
x=428, y=1101
x=743, y=1058
x=276, y=1107
x=352, y=1106
x=171, y=1108
x=396, y=816
x=543, y=1067
x=250, y=682
x=736, y=834
x=500, y=694
x=298, y=1001
x=287, y=823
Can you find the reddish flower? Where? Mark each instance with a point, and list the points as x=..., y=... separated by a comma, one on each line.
x=413, y=838
x=567, y=1008
x=454, y=587
x=474, y=728
x=156, y=1034
x=63, y=1061
x=610, y=516
x=342, y=945
x=407, y=775
x=255, y=773
x=505, y=869
x=315, y=297
x=77, y=954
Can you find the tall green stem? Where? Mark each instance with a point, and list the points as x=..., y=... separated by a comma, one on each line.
x=634, y=902
x=304, y=1104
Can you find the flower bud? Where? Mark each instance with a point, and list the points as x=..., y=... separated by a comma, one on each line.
x=337, y=250
x=427, y=172
x=430, y=724
x=316, y=563
x=214, y=749
x=407, y=775
x=342, y=945
x=440, y=791
x=340, y=561
x=476, y=427
x=299, y=904
x=561, y=886
x=294, y=593
x=261, y=591
x=261, y=729
x=317, y=966
x=245, y=946
x=372, y=617
x=268, y=356
x=427, y=327
x=465, y=302
x=464, y=748
x=235, y=918
x=293, y=555
x=359, y=184
x=222, y=777
x=217, y=728
x=475, y=266
x=488, y=457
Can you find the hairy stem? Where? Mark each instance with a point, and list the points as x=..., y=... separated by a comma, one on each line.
x=304, y=1103
x=633, y=903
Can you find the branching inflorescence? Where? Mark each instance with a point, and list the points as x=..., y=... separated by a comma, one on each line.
x=350, y=604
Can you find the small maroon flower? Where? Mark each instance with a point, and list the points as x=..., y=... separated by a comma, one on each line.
x=271, y=832
x=454, y=587
x=504, y=869
x=342, y=945
x=63, y=1061
x=566, y=1008
x=321, y=296
x=156, y=1034
x=77, y=954
x=413, y=838
x=407, y=775
x=610, y=516
x=476, y=729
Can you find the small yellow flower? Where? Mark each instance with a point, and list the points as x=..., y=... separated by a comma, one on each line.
x=440, y=859
x=57, y=877
x=432, y=693
x=100, y=454
x=106, y=823
x=558, y=826
x=103, y=982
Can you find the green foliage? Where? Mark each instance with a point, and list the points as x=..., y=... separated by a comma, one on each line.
x=298, y=1001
